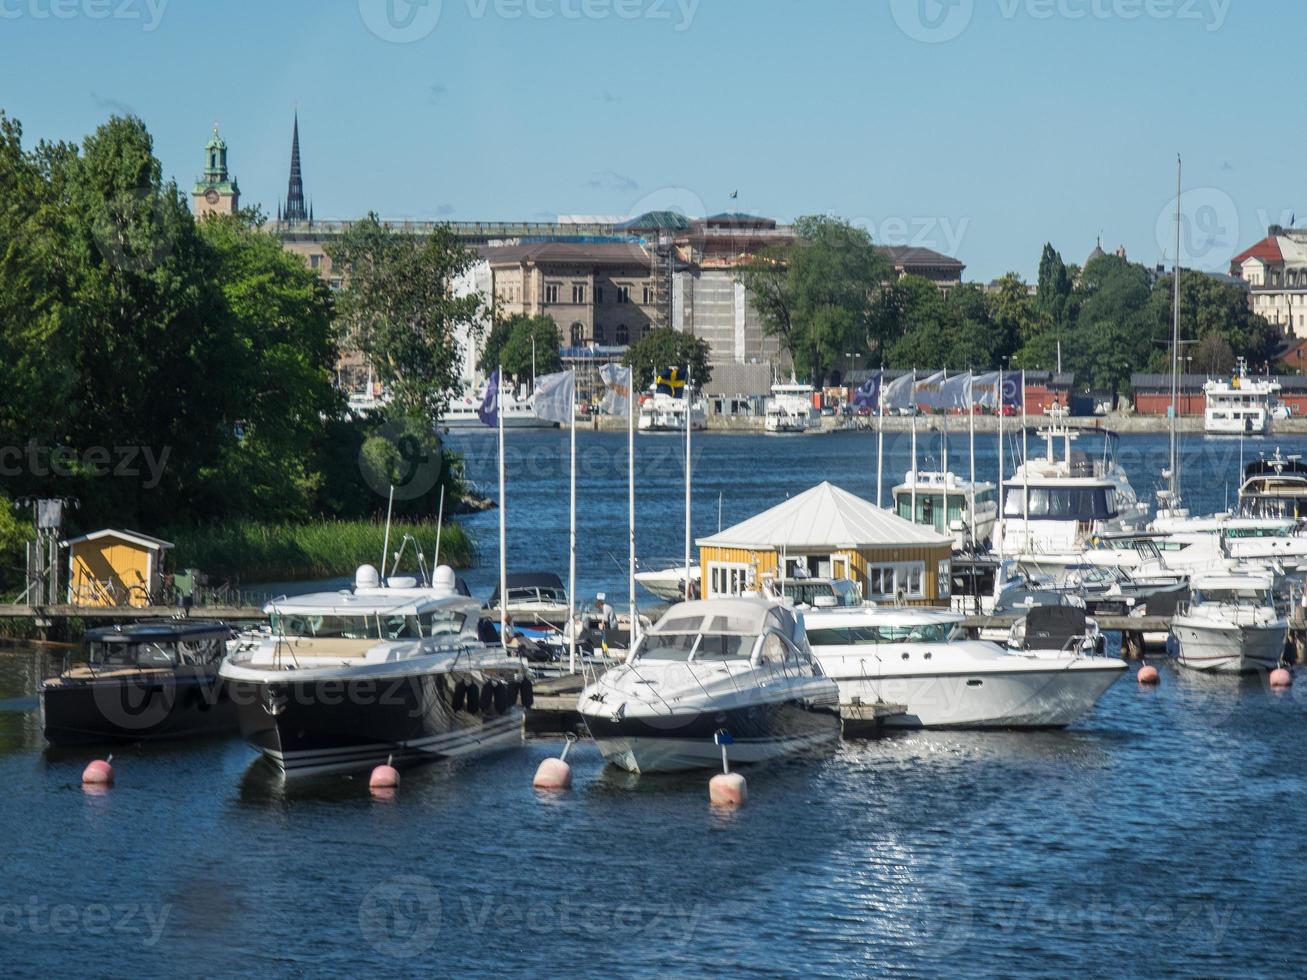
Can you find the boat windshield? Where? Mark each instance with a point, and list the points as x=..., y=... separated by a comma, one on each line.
x=538, y=594
x=703, y=646
x=1062, y=503
x=369, y=627
x=845, y=636
x=156, y=653
x=1248, y=595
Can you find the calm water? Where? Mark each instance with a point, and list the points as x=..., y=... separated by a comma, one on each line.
x=1160, y=836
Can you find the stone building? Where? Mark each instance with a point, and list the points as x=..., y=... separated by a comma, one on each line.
x=216, y=192
x=1275, y=270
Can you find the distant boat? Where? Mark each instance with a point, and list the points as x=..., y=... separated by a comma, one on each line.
x=518, y=409
x=790, y=410
x=661, y=412
x=1240, y=405
x=929, y=489
x=668, y=583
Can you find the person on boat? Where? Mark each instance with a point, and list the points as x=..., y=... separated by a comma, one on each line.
x=604, y=613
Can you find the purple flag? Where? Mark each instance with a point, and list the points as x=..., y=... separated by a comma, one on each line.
x=488, y=413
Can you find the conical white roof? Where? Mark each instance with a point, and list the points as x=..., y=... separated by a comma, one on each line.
x=825, y=517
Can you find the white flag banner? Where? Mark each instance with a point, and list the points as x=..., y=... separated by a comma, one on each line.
x=897, y=394
x=926, y=392
x=984, y=390
x=555, y=396
x=617, y=399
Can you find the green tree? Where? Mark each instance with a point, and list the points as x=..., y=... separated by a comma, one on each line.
x=815, y=294
x=953, y=332
x=524, y=346
x=400, y=310
x=665, y=348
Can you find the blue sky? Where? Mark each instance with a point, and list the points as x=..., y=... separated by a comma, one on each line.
x=978, y=127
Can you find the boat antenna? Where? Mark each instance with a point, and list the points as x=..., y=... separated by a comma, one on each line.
x=440, y=524
x=385, y=542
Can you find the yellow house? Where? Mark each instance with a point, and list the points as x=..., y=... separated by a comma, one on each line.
x=827, y=532
x=114, y=568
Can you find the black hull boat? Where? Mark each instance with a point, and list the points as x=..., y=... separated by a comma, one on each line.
x=337, y=724
x=140, y=683
x=391, y=671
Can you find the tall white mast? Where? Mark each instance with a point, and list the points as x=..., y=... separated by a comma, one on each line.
x=503, y=544
x=571, y=542
x=689, y=428
x=1173, y=480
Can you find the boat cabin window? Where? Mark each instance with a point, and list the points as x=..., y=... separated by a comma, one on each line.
x=361, y=627
x=704, y=647
x=807, y=593
x=537, y=594
x=1247, y=594
x=1062, y=503
x=157, y=653
x=845, y=636
x=1257, y=532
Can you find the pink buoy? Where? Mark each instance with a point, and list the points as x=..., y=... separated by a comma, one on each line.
x=98, y=773
x=1280, y=678
x=555, y=774
x=384, y=777
x=1149, y=675
x=728, y=789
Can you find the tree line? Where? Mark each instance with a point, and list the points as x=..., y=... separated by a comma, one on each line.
x=831, y=292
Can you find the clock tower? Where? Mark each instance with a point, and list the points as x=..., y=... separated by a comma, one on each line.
x=215, y=192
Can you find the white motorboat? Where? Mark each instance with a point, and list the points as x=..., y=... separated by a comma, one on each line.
x=1231, y=624
x=534, y=599
x=1048, y=677
x=740, y=666
x=384, y=671
x=668, y=583
x=943, y=501
x=1275, y=488
x=518, y=408
x=661, y=412
x=1053, y=506
x=790, y=410
x=1239, y=405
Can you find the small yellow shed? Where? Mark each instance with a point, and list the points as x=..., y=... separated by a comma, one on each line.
x=826, y=532
x=114, y=568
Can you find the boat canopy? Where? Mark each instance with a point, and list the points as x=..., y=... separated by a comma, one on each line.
x=734, y=617
x=530, y=580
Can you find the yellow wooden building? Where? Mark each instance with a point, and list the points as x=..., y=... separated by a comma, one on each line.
x=114, y=568
x=827, y=532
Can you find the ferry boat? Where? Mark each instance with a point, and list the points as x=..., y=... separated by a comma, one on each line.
x=1232, y=624
x=790, y=409
x=141, y=681
x=384, y=671
x=1275, y=488
x=1048, y=677
x=517, y=406
x=1239, y=405
x=661, y=412
x=738, y=666
x=930, y=491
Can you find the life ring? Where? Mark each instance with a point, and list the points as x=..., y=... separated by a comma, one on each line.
x=457, y=698
x=487, y=697
x=526, y=693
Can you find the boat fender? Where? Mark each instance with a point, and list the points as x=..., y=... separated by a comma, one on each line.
x=527, y=693
x=487, y=697
x=503, y=698
x=457, y=698
x=473, y=699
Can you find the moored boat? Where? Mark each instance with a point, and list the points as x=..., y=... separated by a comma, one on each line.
x=141, y=681
x=384, y=671
x=737, y=666
x=1231, y=624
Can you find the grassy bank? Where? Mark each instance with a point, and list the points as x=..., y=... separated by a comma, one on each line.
x=249, y=551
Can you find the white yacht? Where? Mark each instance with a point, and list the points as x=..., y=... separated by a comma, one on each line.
x=1239, y=405
x=790, y=409
x=661, y=412
x=517, y=405
x=930, y=491
x=534, y=599
x=1047, y=678
x=1232, y=624
x=741, y=667
x=383, y=671
x=667, y=581
x=1053, y=506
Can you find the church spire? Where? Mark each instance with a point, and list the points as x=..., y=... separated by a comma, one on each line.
x=294, y=210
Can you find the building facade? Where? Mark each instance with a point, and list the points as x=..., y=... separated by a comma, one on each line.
x=216, y=192
x=1275, y=270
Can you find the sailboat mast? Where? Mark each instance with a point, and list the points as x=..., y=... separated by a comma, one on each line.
x=1173, y=481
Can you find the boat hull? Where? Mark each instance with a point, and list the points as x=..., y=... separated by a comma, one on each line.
x=337, y=725
x=684, y=741
x=1229, y=649
x=140, y=706
x=1037, y=696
